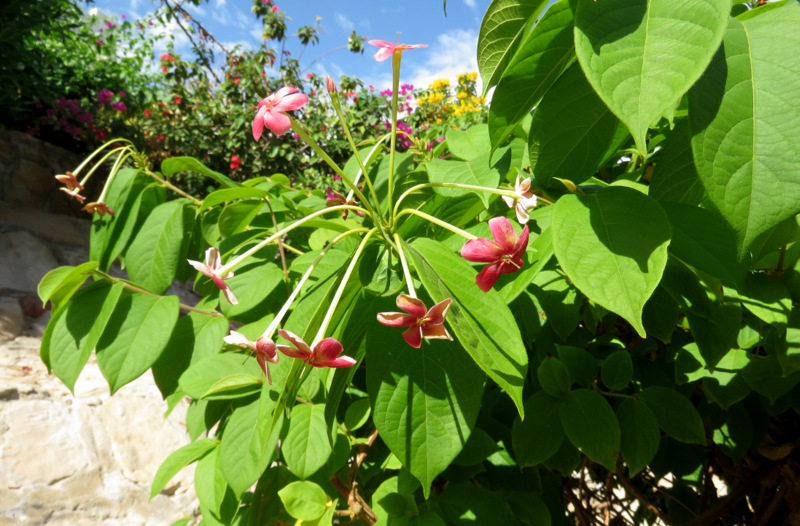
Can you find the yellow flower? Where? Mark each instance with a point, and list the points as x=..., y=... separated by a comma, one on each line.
x=435, y=97
x=462, y=95
x=440, y=83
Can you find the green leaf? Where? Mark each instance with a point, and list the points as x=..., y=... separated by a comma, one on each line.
x=469, y=143
x=236, y=218
x=190, y=164
x=58, y=285
x=716, y=335
x=613, y=246
x=304, y=500
x=554, y=377
x=630, y=53
x=540, y=435
x=703, y=240
x=233, y=386
x=573, y=132
x=394, y=498
x=209, y=483
x=767, y=298
x=252, y=284
x=357, y=414
x=676, y=415
x=640, y=434
x=478, y=448
x=674, y=177
x=580, y=363
x=591, y=425
x=502, y=30
x=306, y=447
x=470, y=504
x=160, y=246
x=765, y=376
x=73, y=332
x=136, y=333
x=178, y=460
x=746, y=140
x=544, y=54
x=539, y=253
x=559, y=299
x=617, y=370
x=425, y=401
x=229, y=194
x=241, y=448
x=480, y=321
x=478, y=171
x=204, y=374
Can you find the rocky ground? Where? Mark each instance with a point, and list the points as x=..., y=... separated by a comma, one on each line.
x=81, y=458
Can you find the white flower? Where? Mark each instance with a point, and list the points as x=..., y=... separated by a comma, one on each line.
x=523, y=201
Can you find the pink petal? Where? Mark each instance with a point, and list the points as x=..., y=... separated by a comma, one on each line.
x=413, y=306
x=265, y=346
x=412, y=46
x=503, y=233
x=396, y=319
x=258, y=122
x=264, y=367
x=239, y=339
x=488, y=276
x=297, y=341
x=292, y=102
x=292, y=352
x=381, y=43
x=281, y=93
x=482, y=250
x=436, y=332
x=277, y=122
x=202, y=268
x=327, y=350
x=212, y=258
x=342, y=361
x=413, y=336
x=383, y=54
x=521, y=245
x=229, y=295
x=437, y=313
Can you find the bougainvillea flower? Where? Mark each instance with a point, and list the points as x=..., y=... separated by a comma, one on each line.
x=209, y=269
x=334, y=198
x=504, y=254
x=271, y=111
x=97, y=206
x=388, y=49
x=264, y=348
x=325, y=353
x=524, y=200
x=69, y=180
x=421, y=322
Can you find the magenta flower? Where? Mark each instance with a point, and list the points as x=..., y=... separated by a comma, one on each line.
x=388, y=49
x=271, y=111
x=421, y=322
x=524, y=200
x=119, y=106
x=264, y=348
x=105, y=96
x=504, y=254
x=209, y=269
x=325, y=354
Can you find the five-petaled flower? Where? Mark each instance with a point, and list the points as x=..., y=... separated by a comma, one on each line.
x=421, y=322
x=264, y=348
x=388, y=49
x=524, y=200
x=209, y=269
x=325, y=353
x=271, y=111
x=504, y=254
x=96, y=206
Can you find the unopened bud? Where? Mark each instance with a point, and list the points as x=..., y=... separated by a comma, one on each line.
x=330, y=84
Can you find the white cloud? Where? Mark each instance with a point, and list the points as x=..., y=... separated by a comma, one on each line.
x=344, y=22
x=454, y=53
x=470, y=3
x=220, y=3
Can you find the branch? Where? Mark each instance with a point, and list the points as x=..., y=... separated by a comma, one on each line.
x=642, y=498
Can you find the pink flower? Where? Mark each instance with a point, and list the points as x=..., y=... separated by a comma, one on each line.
x=69, y=180
x=504, y=254
x=264, y=348
x=105, y=96
x=209, y=269
x=421, y=322
x=119, y=106
x=109, y=24
x=276, y=9
x=98, y=206
x=524, y=200
x=388, y=49
x=98, y=42
x=271, y=111
x=325, y=354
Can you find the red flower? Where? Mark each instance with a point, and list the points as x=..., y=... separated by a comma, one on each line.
x=325, y=353
x=235, y=162
x=421, y=322
x=147, y=113
x=264, y=348
x=177, y=100
x=161, y=137
x=504, y=254
x=209, y=269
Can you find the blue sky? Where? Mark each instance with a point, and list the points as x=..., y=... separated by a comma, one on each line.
x=452, y=39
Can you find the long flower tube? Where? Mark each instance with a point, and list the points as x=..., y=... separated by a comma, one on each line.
x=407, y=273
x=496, y=191
x=439, y=222
x=340, y=290
x=100, y=205
x=376, y=148
x=97, y=152
x=100, y=162
x=396, y=58
x=222, y=271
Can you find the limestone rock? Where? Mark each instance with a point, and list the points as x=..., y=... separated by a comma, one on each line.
x=11, y=319
x=25, y=260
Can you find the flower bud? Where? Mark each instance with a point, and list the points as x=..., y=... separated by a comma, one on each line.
x=330, y=84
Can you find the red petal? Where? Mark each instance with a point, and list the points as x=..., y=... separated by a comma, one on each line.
x=488, y=276
x=327, y=350
x=296, y=341
x=503, y=233
x=482, y=250
x=413, y=306
x=436, y=332
x=292, y=352
x=277, y=122
x=396, y=319
x=413, y=336
x=521, y=245
x=342, y=361
x=437, y=313
x=258, y=122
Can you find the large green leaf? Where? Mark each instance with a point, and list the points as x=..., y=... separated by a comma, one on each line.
x=160, y=246
x=641, y=56
x=640, y=434
x=613, y=246
x=469, y=143
x=591, y=425
x=573, y=132
x=241, y=450
x=204, y=374
x=178, y=460
x=502, y=30
x=478, y=171
x=74, y=332
x=675, y=414
x=58, y=285
x=306, y=447
x=190, y=164
x=541, y=58
x=674, y=177
x=540, y=435
x=743, y=115
x=425, y=401
x=480, y=321
x=134, y=337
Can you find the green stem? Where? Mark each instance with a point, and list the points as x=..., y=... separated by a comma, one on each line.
x=98, y=163
x=114, y=169
x=237, y=261
x=97, y=151
x=369, y=156
x=339, y=291
x=436, y=221
x=396, y=58
x=174, y=188
x=407, y=273
x=496, y=191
